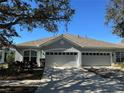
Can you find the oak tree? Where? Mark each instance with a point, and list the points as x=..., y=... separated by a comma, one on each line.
x=29, y=14
x=115, y=16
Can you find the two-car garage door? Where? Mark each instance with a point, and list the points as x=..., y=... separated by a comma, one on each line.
x=70, y=59
x=96, y=59
x=61, y=59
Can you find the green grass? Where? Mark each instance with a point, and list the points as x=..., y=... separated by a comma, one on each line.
x=121, y=65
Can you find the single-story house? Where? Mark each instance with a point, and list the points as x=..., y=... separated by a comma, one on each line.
x=70, y=51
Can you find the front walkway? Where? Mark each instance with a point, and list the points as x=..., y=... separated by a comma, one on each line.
x=76, y=81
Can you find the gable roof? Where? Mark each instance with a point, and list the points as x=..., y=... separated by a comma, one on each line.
x=81, y=41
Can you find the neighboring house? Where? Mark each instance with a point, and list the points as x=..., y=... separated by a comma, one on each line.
x=70, y=51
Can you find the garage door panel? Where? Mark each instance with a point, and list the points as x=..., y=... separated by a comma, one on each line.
x=96, y=60
x=61, y=60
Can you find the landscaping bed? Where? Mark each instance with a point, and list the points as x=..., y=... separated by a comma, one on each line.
x=108, y=73
x=18, y=89
x=30, y=75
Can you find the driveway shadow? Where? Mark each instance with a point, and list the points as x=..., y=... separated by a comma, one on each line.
x=77, y=81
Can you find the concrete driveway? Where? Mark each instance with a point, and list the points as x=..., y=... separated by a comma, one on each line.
x=74, y=80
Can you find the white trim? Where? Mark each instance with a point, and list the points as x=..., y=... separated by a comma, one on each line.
x=79, y=61
x=111, y=59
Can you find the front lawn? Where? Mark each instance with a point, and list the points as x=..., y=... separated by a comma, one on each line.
x=18, y=89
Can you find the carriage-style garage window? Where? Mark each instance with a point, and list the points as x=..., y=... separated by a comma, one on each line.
x=30, y=55
x=96, y=54
x=47, y=53
x=61, y=53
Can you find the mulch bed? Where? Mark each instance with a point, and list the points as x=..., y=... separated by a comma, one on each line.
x=18, y=89
x=30, y=75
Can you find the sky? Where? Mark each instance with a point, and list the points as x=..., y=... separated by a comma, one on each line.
x=88, y=21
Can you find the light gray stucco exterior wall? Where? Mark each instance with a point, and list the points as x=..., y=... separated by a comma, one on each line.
x=18, y=55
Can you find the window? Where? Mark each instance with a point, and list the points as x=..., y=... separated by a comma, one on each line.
x=47, y=53
x=71, y=53
x=107, y=54
x=75, y=53
x=94, y=53
x=26, y=53
x=64, y=53
x=97, y=53
x=86, y=53
x=104, y=54
x=60, y=53
x=67, y=53
x=51, y=53
x=33, y=53
x=55, y=53
x=119, y=56
x=30, y=55
x=90, y=53
x=83, y=53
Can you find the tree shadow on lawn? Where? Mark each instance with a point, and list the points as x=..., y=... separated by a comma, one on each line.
x=77, y=81
x=114, y=74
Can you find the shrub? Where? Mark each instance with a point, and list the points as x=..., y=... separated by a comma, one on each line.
x=10, y=57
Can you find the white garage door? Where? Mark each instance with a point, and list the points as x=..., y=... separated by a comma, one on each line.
x=96, y=59
x=61, y=59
